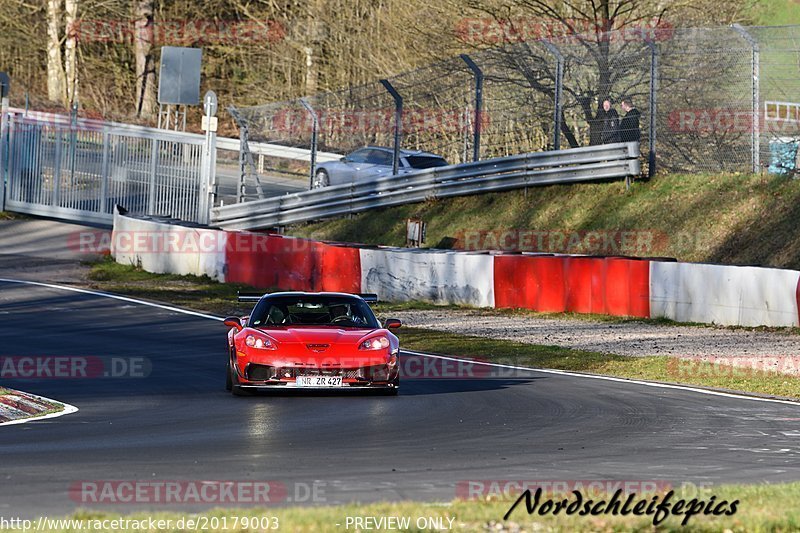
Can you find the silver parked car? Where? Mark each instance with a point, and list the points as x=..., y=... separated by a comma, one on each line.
x=372, y=162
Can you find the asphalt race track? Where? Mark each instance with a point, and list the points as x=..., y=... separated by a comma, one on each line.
x=179, y=423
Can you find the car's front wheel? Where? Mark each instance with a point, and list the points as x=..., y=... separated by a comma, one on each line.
x=236, y=389
x=392, y=391
x=321, y=179
x=228, y=378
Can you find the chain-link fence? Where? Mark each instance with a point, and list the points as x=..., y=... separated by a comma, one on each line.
x=709, y=100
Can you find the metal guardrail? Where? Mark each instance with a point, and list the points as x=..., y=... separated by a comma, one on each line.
x=276, y=150
x=591, y=163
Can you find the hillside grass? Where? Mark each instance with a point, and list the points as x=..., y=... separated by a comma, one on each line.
x=739, y=219
x=777, y=12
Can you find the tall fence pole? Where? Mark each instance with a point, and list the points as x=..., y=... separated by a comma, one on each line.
x=755, y=62
x=478, y=73
x=4, y=144
x=314, y=133
x=651, y=157
x=558, y=106
x=398, y=123
x=208, y=160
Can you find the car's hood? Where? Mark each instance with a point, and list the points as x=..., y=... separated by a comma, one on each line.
x=325, y=335
x=319, y=346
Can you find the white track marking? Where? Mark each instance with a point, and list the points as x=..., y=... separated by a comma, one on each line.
x=610, y=378
x=112, y=296
x=448, y=358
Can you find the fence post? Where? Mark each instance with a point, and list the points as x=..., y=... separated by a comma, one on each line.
x=398, y=124
x=476, y=70
x=4, y=144
x=208, y=161
x=314, y=130
x=106, y=172
x=246, y=164
x=151, y=198
x=557, y=93
x=651, y=157
x=755, y=62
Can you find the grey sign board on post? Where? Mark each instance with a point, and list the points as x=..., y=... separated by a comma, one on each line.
x=179, y=77
x=5, y=85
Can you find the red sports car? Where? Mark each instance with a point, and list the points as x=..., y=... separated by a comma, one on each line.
x=307, y=340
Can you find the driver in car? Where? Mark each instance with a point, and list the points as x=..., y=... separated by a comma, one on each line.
x=339, y=313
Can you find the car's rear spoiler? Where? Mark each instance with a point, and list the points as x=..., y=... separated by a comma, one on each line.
x=370, y=298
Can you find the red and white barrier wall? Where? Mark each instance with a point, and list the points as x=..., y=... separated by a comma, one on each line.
x=685, y=292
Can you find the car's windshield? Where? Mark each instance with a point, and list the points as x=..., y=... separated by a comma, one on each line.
x=425, y=161
x=313, y=310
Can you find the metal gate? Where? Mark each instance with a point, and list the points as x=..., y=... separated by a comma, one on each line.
x=78, y=169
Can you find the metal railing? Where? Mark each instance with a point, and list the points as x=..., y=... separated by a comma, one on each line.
x=599, y=162
x=77, y=169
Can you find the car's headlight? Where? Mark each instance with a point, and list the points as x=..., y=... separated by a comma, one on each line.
x=261, y=343
x=375, y=343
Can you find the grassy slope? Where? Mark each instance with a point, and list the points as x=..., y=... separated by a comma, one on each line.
x=734, y=219
x=778, y=12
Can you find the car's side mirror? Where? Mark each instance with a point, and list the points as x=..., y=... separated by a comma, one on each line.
x=392, y=323
x=344, y=160
x=234, y=322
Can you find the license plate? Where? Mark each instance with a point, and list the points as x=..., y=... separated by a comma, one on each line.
x=319, y=381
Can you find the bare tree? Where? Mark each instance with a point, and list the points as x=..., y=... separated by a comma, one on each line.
x=71, y=50
x=56, y=85
x=145, y=64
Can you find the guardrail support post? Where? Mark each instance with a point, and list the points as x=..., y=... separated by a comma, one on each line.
x=398, y=123
x=314, y=130
x=651, y=156
x=756, y=67
x=476, y=70
x=558, y=105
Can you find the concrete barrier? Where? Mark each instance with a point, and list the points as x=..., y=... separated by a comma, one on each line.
x=552, y=284
x=169, y=248
x=278, y=262
x=726, y=295
x=441, y=277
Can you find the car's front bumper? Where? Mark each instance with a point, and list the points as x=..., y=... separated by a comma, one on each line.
x=256, y=376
